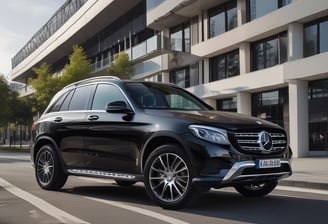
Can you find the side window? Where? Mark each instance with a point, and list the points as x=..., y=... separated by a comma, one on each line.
x=81, y=98
x=106, y=94
x=55, y=107
x=65, y=104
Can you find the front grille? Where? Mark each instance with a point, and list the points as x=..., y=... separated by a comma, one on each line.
x=251, y=142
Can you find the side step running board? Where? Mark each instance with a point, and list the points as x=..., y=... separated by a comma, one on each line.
x=103, y=174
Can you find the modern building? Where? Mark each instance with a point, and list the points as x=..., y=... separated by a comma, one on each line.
x=265, y=58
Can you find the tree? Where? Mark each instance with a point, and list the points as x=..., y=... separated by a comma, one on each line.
x=4, y=101
x=123, y=67
x=78, y=68
x=45, y=85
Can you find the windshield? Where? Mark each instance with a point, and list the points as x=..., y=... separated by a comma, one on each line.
x=159, y=96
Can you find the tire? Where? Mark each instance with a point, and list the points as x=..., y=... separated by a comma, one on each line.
x=256, y=190
x=168, y=177
x=48, y=171
x=125, y=183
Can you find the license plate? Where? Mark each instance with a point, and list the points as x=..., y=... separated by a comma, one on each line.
x=267, y=163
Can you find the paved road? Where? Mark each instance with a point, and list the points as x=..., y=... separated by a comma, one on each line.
x=88, y=200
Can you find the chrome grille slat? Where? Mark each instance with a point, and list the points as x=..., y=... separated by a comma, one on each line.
x=249, y=141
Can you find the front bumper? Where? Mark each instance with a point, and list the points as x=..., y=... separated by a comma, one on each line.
x=245, y=172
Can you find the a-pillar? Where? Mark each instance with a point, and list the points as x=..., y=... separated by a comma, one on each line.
x=298, y=117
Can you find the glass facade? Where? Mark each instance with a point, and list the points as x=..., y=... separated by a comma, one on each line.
x=224, y=66
x=315, y=37
x=318, y=115
x=55, y=22
x=269, y=52
x=180, y=38
x=229, y=105
x=258, y=8
x=180, y=77
x=222, y=18
x=272, y=106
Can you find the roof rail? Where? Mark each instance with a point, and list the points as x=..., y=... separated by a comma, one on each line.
x=91, y=79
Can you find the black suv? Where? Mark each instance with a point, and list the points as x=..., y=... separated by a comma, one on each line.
x=159, y=134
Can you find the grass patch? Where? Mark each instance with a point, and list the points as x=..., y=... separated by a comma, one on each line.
x=15, y=149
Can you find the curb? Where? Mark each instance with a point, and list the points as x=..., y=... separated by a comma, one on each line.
x=304, y=184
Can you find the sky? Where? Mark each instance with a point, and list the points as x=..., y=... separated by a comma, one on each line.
x=19, y=21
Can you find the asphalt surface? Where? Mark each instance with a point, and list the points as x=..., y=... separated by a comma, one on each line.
x=89, y=200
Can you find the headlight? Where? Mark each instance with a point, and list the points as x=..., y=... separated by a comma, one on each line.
x=210, y=134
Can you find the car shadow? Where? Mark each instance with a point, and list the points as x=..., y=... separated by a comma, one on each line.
x=220, y=204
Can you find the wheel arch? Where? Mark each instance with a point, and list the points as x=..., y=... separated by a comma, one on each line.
x=163, y=138
x=44, y=140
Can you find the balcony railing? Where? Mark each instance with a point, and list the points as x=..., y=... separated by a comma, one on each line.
x=144, y=48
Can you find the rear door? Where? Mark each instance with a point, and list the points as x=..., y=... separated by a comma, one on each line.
x=69, y=125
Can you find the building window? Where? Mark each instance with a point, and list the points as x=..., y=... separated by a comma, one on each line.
x=315, y=37
x=224, y=66
x=272, y=106
x=258, y=8
x=222, y=18
x=229, y=104
x=180, y=38
x=269, y=52
x=318, y=115
x=180, y=77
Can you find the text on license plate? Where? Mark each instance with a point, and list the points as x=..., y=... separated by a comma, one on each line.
x=267, y=163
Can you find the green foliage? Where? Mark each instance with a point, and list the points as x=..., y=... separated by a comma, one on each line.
x=79, y=67
x=13, y=108
x=45, y=85
x=4, y=100
x=123, y=67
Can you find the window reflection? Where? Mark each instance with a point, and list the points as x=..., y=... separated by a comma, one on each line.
x=318, y=115
x=180, y=38
x=222, y=18
x=315, y=37
x=258, y=8
x=229, y=105
x=269, y=52
x=224, y=66
x=272, y=106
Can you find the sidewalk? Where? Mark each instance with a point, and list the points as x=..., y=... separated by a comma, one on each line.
x=308, y=173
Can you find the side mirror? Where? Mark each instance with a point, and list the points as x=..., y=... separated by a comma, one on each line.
x=119, y=107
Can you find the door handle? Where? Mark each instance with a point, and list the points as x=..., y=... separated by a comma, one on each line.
x=93, y=117
x=58, y=119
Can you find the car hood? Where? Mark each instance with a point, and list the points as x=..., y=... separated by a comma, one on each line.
x=227, y=120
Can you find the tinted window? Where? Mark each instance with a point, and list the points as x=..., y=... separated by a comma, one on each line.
x=67, y=100
x=150, y=95
x=55, y=107
x=106, y=94
x=81, y=98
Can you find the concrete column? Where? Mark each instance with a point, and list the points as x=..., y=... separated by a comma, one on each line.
x=241, y=12
x=244, y=58
x=165, y=77
x=244, y=103
x=205, y=22
x=298, y=117
x=211, y=102
x=295, y=41
x=206, y=70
